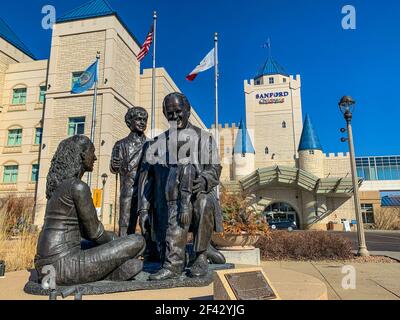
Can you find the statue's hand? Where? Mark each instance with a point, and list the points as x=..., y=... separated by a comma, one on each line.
x=144, y=221
x=199, y=185
x=185, y=217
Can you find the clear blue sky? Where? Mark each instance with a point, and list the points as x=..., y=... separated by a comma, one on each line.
x=307, y=39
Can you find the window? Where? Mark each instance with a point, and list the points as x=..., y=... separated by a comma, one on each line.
x=367, y=211
x=284, y=125
x=266, y=150
x=271, y=80
x=76, y=126
x=75, y=77
x=42, y=94
x=19, y=96
x=10, y=174
x=284, y=80
x=258, y=82
x=379, y=168
x=38, y=136
x=35, y=173
x=14, y=137
x=311, y=152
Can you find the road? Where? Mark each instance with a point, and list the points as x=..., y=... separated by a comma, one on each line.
x=376, y=241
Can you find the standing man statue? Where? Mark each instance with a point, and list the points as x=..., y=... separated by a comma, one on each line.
x=125, y=161
x=173, y=214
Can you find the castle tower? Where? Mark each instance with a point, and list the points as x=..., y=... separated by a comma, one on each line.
x=273, y=108
x=311, y=157
x=243, y=153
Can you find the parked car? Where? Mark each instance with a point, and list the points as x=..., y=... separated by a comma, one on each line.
x=282, y=221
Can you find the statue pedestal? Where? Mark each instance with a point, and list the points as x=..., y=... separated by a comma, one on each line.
x=141, y=282
x=242, y=255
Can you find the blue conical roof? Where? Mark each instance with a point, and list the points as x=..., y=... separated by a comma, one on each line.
x=7, y=34
x=91, y=9
x=270, y=67
x=243, y=142
x=309, y=139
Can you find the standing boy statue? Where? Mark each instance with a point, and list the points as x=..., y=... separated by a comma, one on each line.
x=125, y=161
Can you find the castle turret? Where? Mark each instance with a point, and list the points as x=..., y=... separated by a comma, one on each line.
x=311, y=157
x=243, y=153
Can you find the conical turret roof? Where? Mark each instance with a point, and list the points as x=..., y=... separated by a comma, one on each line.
x=309, y=139
x=243, y=142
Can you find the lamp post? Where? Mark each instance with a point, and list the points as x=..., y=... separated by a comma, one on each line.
x=346, y=106
x=104, y=178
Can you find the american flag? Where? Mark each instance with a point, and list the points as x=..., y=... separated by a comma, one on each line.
x=146, y=45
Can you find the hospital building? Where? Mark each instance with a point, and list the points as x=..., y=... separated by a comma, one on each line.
x=274, y=155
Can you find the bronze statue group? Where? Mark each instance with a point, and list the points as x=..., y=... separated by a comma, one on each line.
x=168, y=185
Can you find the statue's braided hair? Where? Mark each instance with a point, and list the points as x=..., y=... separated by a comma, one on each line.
x=66, y=162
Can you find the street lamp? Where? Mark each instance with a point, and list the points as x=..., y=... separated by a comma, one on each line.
x=104, y=178
x=346, y=106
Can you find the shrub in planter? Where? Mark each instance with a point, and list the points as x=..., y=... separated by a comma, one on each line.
x=307, y=245
x=239, y=217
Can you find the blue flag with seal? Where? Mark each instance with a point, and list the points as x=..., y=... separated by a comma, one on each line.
x=87, y=79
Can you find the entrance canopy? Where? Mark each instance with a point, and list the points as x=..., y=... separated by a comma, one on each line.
x=297, y=178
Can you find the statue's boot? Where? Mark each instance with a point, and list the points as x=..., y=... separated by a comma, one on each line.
x=163, y=274
x=214, y=256
x=200, y=266
x=126, y=271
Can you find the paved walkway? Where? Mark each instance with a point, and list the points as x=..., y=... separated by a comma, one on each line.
x=374, y=281
x=290, y=285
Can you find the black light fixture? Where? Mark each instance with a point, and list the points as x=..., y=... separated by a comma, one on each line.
x=104, y=178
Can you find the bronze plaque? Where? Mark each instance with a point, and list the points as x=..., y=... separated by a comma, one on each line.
x=250, y=286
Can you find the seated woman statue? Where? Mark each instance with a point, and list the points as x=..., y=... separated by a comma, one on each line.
x=70, y=216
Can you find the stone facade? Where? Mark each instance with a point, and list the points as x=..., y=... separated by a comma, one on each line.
x=74, y=47
x=19, y=71
x=275, y=124
x=313, y=184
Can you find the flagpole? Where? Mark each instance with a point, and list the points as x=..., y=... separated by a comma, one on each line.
x=94, y=111
x=153, y=95
x=216, y=100
x=216, y=89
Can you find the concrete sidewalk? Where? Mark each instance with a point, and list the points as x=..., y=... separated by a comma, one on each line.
x=374, y=281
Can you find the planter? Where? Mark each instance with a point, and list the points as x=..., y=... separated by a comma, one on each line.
x=234, y=242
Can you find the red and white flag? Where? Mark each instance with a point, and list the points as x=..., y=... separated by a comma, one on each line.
x=205, y=64
x=146, y=45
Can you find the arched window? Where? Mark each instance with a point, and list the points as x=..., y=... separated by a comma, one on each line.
x=266, y=150
x=10, y=173
x=35, y=172
x=284, y=124
x=42, y=92
x=14, y=137
x=19, y=95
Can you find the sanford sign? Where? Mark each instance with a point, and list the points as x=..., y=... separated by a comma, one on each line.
x=272, y=97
